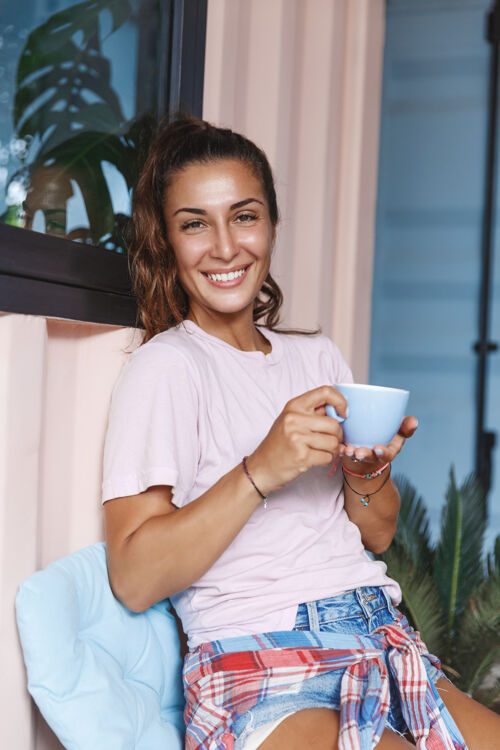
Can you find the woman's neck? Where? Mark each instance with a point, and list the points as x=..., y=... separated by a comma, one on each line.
x=239, y=332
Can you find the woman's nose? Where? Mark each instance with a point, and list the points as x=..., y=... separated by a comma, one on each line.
x=225, y=244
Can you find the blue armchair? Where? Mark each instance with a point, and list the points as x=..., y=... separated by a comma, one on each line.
x=104, y=678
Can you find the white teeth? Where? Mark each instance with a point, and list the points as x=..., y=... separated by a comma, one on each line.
x=226, y=276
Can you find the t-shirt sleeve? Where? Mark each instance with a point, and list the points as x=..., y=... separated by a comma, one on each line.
x=340, y=370
x=152, y=431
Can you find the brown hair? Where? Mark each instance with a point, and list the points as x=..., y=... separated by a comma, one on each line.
x=161, y=301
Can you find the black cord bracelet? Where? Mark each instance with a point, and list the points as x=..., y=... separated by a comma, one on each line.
x=367, y=496
x=264, y=497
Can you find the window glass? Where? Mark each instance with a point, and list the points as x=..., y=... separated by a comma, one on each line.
x=79, y=89
x=426, y=286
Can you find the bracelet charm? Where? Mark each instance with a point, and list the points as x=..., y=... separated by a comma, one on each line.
x=365, y=497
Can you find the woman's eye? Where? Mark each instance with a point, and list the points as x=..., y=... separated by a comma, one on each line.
x=194, y=224
x=246, y=217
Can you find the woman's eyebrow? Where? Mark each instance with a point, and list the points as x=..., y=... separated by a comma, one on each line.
x=244, y=203
x=202, y=212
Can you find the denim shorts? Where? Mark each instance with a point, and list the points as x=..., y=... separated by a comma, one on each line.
x=358, y=611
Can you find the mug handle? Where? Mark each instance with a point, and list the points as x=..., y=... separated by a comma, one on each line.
x=330, y=410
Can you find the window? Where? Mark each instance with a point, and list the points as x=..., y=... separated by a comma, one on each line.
x=81, y=86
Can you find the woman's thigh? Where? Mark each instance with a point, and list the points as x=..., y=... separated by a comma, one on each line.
x=318, y=729
x=479, y=726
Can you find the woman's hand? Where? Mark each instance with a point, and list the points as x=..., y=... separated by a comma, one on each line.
x=379, y=455
x=301, y=437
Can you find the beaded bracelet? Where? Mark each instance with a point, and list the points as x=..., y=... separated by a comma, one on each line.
x=359, y=476
x=366, y=476
x=264, y=497
x=367, y=496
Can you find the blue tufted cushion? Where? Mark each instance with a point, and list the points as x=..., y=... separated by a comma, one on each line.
x=104, y=678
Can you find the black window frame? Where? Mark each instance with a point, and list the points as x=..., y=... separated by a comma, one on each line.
x=45, y=275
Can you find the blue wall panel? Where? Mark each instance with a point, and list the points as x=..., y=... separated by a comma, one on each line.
x=428, y=237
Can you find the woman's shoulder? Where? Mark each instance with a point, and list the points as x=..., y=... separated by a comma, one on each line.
x=317, y=351
x=167, y=353
x=167, y=346
x=307, y=341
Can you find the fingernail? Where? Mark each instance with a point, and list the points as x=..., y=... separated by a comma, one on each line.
x=349, y=453
x=379, y=451
x=347, y=412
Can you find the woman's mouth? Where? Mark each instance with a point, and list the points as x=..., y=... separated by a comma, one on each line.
x=227, y=280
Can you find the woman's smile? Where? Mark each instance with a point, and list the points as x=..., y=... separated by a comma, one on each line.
x=219, y=227
x=227, y=279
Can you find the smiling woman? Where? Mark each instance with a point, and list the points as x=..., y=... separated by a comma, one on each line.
x=217, y=492
x=233, y=198
x=228, y=247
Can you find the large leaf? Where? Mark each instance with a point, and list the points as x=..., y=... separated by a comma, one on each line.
x=491, y=697
x=80, y=158
x=421, y=603
x=493, y=560
x=458, y=562
x=477, y=641
x=63, y=81
x=412, y=534
x=65, y=100
x=62, y=27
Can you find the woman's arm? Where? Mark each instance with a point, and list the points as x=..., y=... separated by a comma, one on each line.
x=156, y=550
x=378, y=520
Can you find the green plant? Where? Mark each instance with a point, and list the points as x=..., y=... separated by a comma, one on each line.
x=451, y=589
x=67, y=110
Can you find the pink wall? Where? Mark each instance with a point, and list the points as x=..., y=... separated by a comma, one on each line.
x=302, y=78
x=56, y=378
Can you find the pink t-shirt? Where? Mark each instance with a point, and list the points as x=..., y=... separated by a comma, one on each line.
x=185, y=409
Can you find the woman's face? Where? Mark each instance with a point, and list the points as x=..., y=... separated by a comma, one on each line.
x=219, y=227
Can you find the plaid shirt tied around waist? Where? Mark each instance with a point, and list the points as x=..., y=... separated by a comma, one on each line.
x=230, y=676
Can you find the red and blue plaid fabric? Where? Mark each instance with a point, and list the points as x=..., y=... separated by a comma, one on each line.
x=227, y=677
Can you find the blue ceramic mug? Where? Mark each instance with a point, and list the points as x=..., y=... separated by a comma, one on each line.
x=375, y=413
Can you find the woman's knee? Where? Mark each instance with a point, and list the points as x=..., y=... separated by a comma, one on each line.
x=479, y=726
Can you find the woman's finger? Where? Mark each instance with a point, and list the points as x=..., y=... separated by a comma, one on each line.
x=385, y=453
x=360, y=453
x=408, y=426
x=317, y=423
x=407, y=429
x=326, y=425
x=325, y=394
x=388, y=453
x=328, y=444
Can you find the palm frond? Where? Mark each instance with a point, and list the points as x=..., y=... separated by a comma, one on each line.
x=491, y=697
x=493, y=558
x=420, y=603
x=458, y=562
x=413, y=534
x=477, y=641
